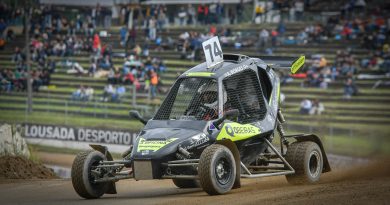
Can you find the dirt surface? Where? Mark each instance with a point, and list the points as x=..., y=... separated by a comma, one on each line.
x=368, y=184
x=15, y=167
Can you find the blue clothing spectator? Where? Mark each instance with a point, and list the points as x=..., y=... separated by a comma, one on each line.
x=123, y=33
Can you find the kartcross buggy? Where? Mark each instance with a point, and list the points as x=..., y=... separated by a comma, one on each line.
x=215, y=126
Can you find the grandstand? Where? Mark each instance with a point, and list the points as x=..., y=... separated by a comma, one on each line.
x=365, y=115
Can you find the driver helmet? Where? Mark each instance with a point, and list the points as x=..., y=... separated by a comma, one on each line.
x=209, y=95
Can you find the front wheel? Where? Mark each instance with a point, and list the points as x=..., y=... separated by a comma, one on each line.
x=83, y=178
x=307, y=161
x=217, y=170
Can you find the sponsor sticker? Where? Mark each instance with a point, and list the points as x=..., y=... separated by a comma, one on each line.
x=153, y=145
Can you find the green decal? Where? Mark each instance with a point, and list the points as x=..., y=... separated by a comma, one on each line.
x=297, y=64
x=235, y=131
x=200, y=74
x=153, y=145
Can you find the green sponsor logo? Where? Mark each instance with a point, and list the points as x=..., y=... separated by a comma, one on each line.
x=153, y=145
x=235, y=131
x=297, y=64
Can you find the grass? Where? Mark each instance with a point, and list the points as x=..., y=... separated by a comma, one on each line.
x=359, y=129
x=352, y=146
x=357, y=146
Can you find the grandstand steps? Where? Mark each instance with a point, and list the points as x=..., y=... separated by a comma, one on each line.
x=66, y=96
x=330, y=108
x=122, y=114
x=100, y=107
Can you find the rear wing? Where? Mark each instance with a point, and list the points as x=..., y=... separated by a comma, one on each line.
x=280, y=62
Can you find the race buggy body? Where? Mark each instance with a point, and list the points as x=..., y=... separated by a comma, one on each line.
x=214, y=127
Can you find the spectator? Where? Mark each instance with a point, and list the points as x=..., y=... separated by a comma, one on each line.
x=10, y=35
x=239, y=11
x=263, y=38
x=123, y=33
x=118, y=94
x=5, y=84
x=131, y=38
x=182, y=14
x=108, y=92
x=299, y=8
x=79, y=94
x=212, y=17
x=45, y=77
x=75, y=68
x=259, y=12
x=153, y=83
x=317, y=107
x=92, y=69
x=152, y=28
x=89, y=93
x=306, y=106
x=105, y=63
x=36, y=80
x=96, y=44
x=161, y=18
x=350, y=89
x=191, y=14
x=18, y=57
x=201, y=13
x=3, y=26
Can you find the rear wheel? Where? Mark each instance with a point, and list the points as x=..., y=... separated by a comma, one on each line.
x=306, y=159
x=186, y=183
x=82, y=177
x=217, y=169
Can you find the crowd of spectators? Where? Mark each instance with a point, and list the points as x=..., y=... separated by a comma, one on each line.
x=49, y=41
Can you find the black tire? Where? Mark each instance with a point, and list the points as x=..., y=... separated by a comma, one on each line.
x=217, y=170
x=186, y=183
x=307, y=161
x=82, y=178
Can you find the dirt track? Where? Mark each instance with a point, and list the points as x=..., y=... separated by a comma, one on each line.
x=361, y=185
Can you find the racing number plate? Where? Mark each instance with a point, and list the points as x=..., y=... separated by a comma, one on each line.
x=143, y=170
x=212, y=51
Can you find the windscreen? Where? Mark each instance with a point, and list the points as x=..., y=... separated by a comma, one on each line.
x=190, y=99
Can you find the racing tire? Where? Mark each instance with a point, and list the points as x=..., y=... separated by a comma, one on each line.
x=217, y=170
x=186, y=183
x=82, y=179
x=307, y=161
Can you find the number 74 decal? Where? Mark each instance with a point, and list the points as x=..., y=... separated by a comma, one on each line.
x=212, y=51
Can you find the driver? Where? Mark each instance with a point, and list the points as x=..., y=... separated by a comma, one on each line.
x=209, y=105
x=208, y=102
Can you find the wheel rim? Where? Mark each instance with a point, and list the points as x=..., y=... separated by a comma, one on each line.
x=91, y=176
x=223, y=171
x=314, y=164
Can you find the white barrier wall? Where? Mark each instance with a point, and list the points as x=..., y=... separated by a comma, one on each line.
x=78, y=137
